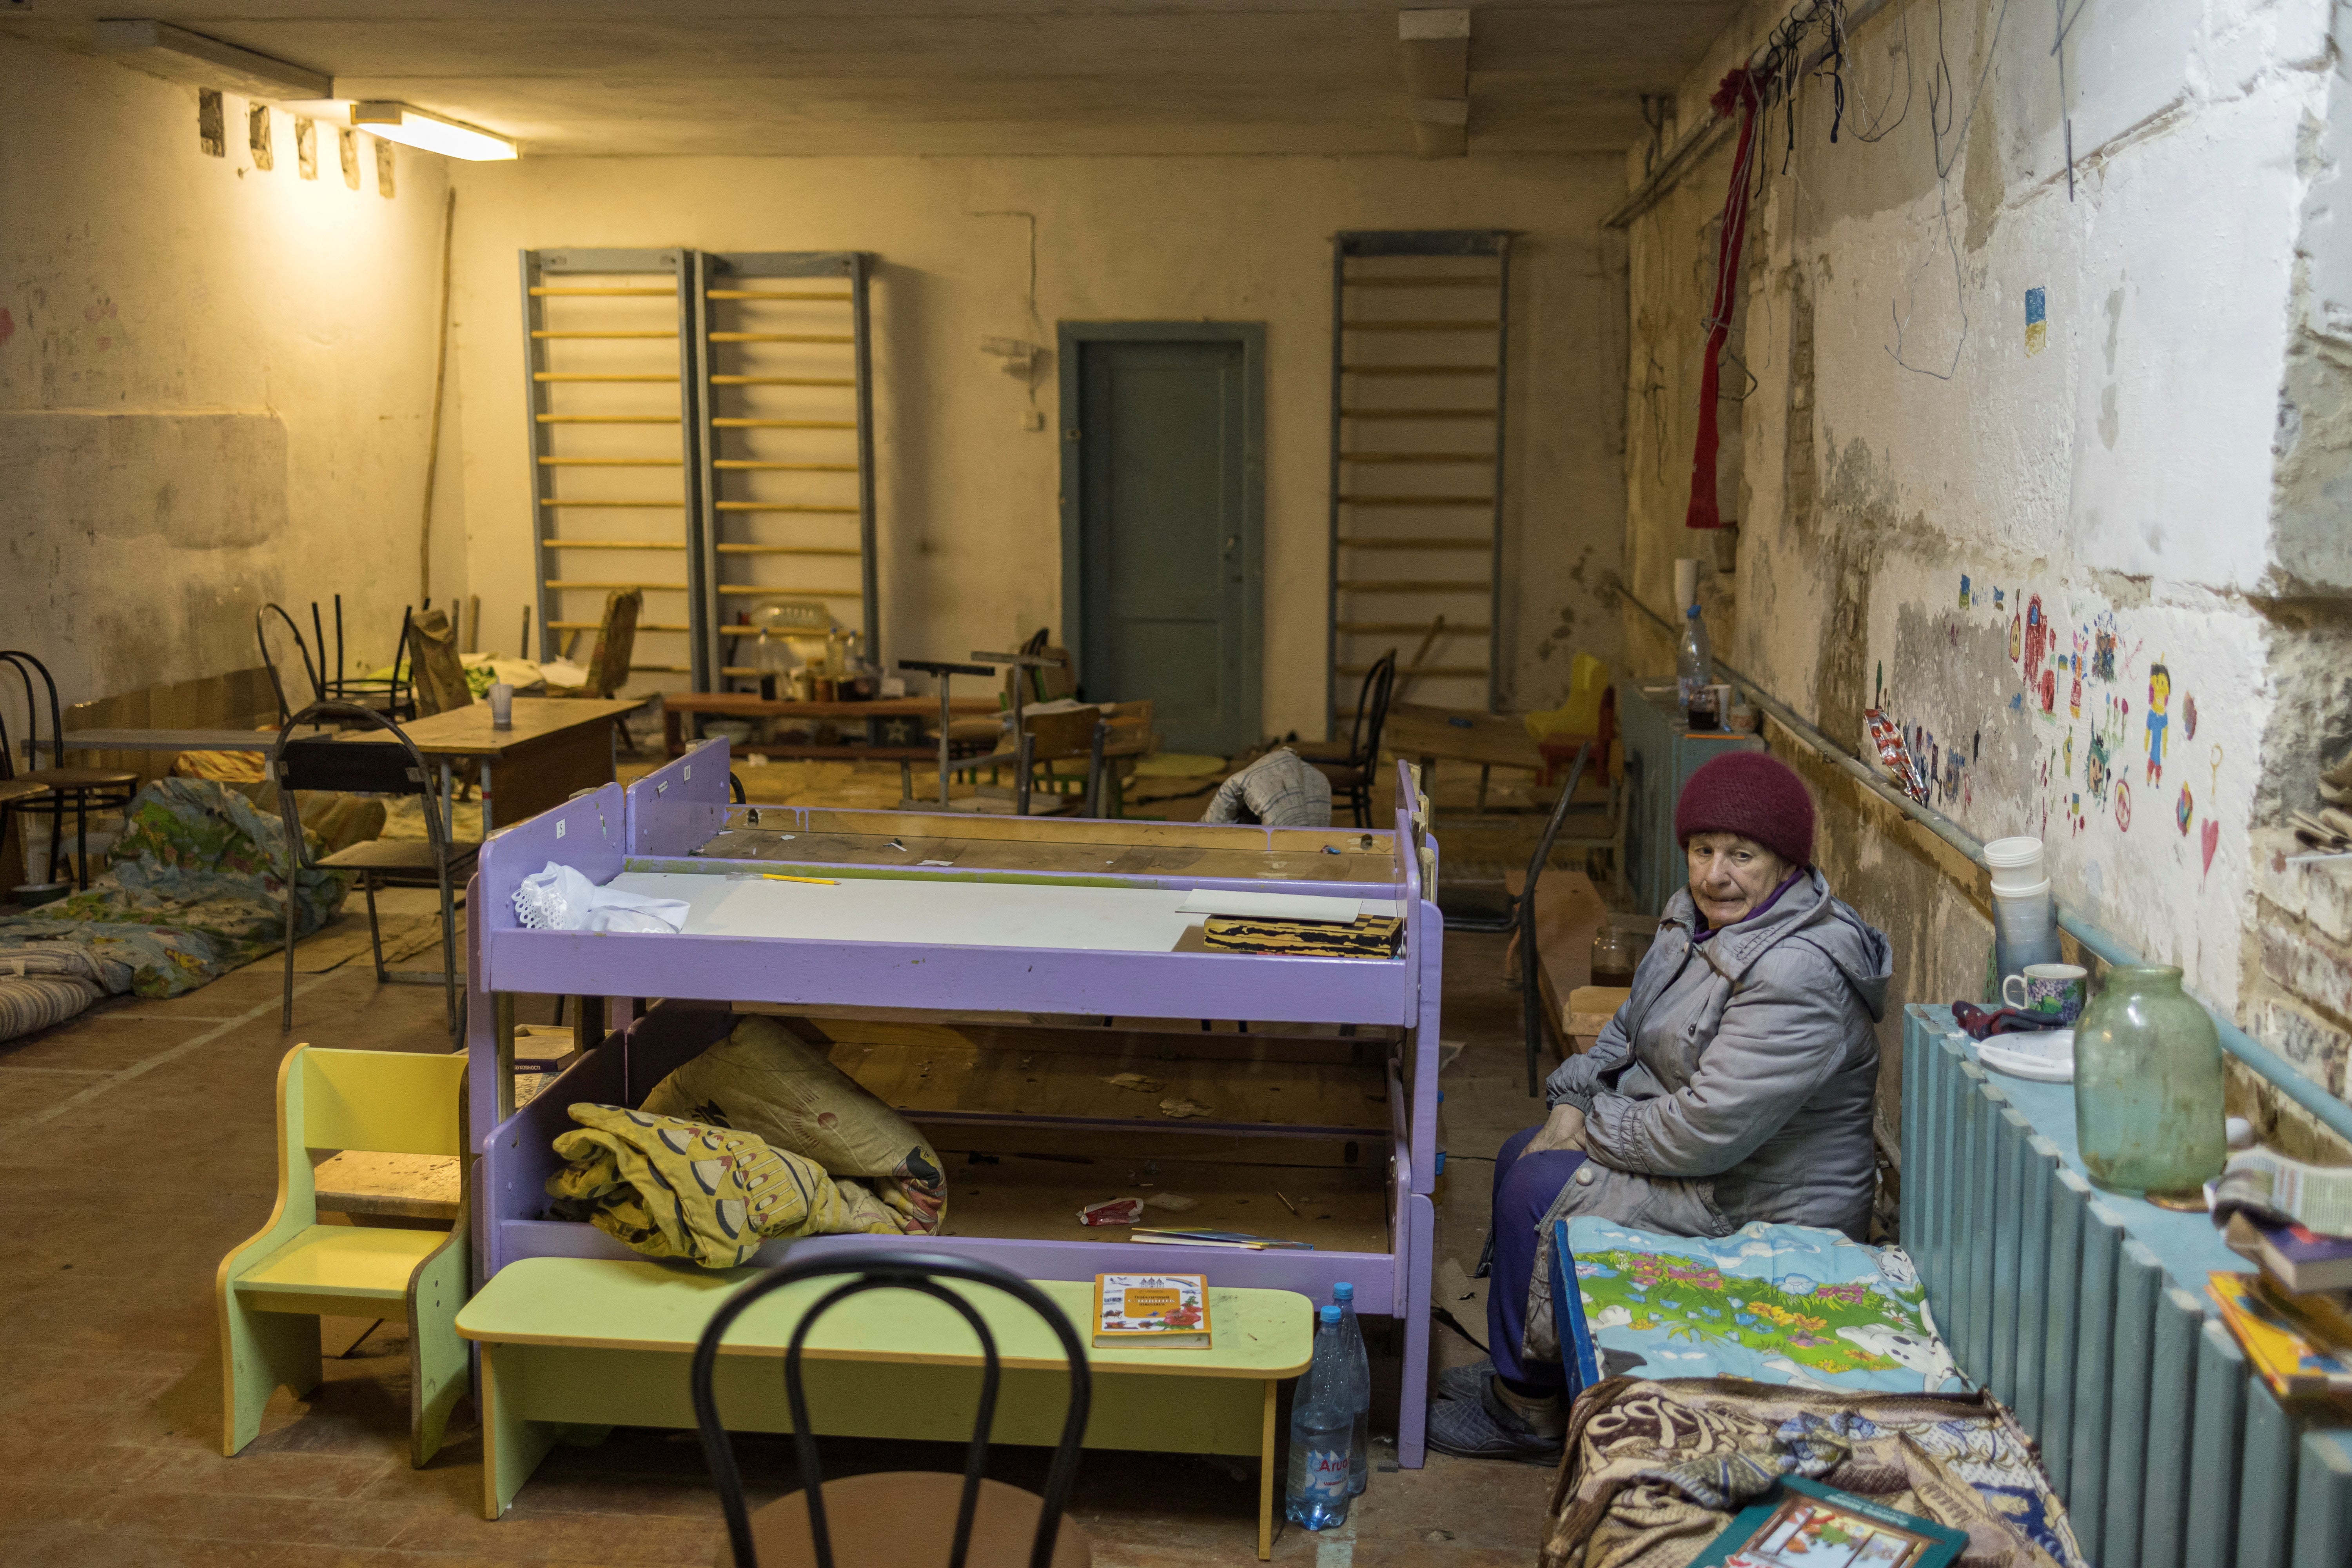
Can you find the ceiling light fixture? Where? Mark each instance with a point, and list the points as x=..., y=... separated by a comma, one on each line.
x=177, y=55
x=431, y=133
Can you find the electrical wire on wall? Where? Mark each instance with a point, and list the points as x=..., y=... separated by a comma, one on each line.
x=1034, y=369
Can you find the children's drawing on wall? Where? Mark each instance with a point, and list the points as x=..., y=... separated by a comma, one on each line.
x=2189, y=718
x=2067, y=769
x=2095, y=770
x=2016, y=636
x=2159, y=698
x=2074, y=691
x=2037, y=322
x=2036, y=642
x=1963, y=590
x=2186, y=810
x=2211, y=833
x=2103, y=646
x=2050, y=690
x=2074, y=810
x=2123, y=805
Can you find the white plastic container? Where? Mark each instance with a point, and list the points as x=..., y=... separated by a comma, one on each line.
x=2016, y=865
x=2025, y=929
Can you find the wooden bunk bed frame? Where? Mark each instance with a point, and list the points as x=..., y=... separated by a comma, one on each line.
x=1319, y=1074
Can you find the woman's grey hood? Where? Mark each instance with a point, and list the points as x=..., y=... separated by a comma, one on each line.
x=1806, y=913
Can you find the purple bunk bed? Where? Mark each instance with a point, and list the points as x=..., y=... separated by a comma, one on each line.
x=677, y=825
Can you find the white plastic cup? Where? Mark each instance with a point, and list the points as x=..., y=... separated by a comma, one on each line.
x=1686, y=583
x=2016, y=866
x=502, y=706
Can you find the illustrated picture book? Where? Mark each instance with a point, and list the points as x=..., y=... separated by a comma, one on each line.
x=1165, y=1311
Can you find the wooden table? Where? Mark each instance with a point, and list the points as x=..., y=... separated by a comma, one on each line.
x=599, y=1342
x=556, y=747
x=1490, y=739
x=745, y=705
x=1569, y=915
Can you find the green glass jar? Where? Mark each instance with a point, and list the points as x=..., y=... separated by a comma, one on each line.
x=2147, y=1085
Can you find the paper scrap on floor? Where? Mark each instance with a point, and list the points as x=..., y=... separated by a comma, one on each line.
x=1270, y=906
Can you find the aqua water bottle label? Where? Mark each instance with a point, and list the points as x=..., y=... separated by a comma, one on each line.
x=1327, y=1473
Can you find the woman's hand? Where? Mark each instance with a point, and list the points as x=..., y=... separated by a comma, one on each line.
x=1564, y=1129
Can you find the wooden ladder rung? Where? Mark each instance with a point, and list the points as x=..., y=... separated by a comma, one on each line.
x=606, y=293
x=1416, y=501
x=1416, y=414
x=1400, y=585
x=1465, y=545
x=781, y=381
x=1467, y=280
x=784, y=424
x=786, y=467
x=1393, y=628
x=599, y=626
x=781, y=506
x=1416, y=457
x=771, y=294
x=586, y=375
x=649, y=587
x=781, y=338
x=604, y=337
x=786, y=594
x=613, y=544
x=788, y=549
x=608, y=418
x=610, y=462
x=1421, y=326
x=1416, y=670
x=550, y=500
x=1419, y=369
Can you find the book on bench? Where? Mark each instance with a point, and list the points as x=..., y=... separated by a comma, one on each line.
x=1163, y=1312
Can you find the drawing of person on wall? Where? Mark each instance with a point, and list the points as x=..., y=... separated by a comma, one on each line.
x=2159, y=698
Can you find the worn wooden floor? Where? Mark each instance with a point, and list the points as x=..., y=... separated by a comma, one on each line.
x=136, y=1148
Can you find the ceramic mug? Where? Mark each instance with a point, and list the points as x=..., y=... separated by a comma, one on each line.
x=2057, y=990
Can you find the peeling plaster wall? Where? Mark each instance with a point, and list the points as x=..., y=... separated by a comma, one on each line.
x=2031, y=468
x=969, y=526
x=214, y=380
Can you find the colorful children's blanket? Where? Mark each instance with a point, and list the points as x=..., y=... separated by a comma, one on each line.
x=1776, y=1303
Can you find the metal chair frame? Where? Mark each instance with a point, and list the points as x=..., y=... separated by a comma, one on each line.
x=366, y=768
x=1364, y=735
x=919, y=1273
x=399, y=699
x=311, y=671
x=1520, y=916
x=86, y=797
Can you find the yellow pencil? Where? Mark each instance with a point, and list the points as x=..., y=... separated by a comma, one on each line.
x=820, y=881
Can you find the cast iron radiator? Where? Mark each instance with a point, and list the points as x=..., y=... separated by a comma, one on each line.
x=2167, y=1451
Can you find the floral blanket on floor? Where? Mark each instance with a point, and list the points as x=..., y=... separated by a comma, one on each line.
x=1779, y=1303
x=1654, y=1470
x=196, y=888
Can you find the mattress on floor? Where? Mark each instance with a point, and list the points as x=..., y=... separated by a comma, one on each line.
x=1778, y=1303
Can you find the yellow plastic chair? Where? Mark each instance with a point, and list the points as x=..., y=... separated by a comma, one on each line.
x=275, y=1286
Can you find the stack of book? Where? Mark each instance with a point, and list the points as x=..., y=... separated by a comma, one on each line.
x=2292, y=1318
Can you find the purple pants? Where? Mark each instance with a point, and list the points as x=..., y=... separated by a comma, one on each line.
x=1525, y=1186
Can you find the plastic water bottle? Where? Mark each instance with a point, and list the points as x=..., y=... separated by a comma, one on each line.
x=1694, y=660
x=1359, y=1385
x=1320, y=1427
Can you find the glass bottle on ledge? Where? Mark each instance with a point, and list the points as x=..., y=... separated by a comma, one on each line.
x=2148, y=1086
x=1694, y=662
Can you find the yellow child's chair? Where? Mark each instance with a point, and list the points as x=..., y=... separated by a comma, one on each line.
x=275, y=1286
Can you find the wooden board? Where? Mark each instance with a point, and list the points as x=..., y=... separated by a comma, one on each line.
x=1110, y=849
x=545, y=772
x=1490, y=739
x=1589, y=1008
x=1067, y=917
x=410, y=1186
x=239, y=700
x=467, y=732
x=1341, y=1209
x=1569, y=915
x=1009, y=1083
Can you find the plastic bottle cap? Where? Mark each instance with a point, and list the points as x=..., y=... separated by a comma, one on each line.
x=1691, y=613
x=1343, y=1292
x=1330, y=1314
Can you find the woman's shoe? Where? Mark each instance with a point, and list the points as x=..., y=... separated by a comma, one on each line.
x=1471, y=1429
x=1466, y=1382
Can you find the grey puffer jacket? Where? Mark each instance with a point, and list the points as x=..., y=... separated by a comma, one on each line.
x=1734, y=1084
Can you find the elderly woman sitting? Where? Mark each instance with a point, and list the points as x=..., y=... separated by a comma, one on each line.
x=1734, y=1084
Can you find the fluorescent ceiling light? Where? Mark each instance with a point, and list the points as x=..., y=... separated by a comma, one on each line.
x=178, y=55
x=430, y=132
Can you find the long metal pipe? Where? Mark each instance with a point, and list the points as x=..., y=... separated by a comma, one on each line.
x=2275, y=1069
x=1694, y=143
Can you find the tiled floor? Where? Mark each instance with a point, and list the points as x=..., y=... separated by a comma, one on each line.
x=136, y=1148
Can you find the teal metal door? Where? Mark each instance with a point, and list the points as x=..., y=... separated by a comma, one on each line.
x=1161, y=481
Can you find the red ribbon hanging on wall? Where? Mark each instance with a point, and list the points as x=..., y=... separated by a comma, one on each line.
x=1737, y=93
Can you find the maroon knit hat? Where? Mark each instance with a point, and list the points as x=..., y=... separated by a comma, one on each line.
x=1755, y=795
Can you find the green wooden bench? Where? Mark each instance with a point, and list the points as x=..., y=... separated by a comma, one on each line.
x=597, y=1342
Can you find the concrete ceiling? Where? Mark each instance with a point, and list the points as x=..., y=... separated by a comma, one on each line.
x=947, y=77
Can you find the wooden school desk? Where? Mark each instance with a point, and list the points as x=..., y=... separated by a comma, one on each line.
x=607, y=1343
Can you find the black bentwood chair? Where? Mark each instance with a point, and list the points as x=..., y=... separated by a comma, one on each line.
x=902, y=1519
x=1519, y=914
